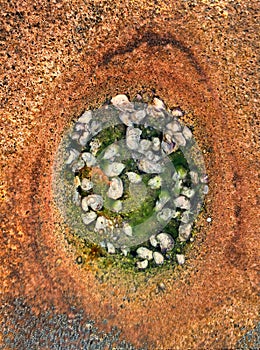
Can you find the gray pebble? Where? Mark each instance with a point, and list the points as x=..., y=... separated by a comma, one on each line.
x=89, y=217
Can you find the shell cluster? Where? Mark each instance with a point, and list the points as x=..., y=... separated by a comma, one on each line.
x=137, y=194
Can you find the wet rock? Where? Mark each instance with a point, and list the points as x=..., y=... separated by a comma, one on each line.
x=142, y=264
x=116, y=188
x=94, y=201
x=84, y=138
x=95, y=127
x=73, y=155
x=85, y=117
x=166, y=242
x=188, y=192
x=155, y=182
x=127, y=229
x=156, y=144
x=168, y=148
x=111, y=151
x=144, y=253
x=76, y=166
x=110, y=248
x=151, y=156
x=134, y=178
x=165, y=214
x=75, y=135
x=89, y=159
x=184, y=232
x=117, y=206
x=164, y=198
x=94, y=146
x=144, y=146
x=173, y=127
x=149, y=167
x=182, y=202
x=133, y=138
x=79, y=127
x=186, y=217
x=158, y=258
x=76, y=198
x=194, y=177
x=86, y=185
x=180, y=259
x=179, y=139
x=89, y=217
x=153, y=241
x=138, y=116
x=84, y=204
x=187, y=133
x=126, y=119
x=181, y=171
x=113, y=169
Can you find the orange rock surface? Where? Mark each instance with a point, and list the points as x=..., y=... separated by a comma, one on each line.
x=60, y=58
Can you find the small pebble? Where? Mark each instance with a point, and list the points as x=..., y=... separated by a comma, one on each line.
x=142, y=264
x=180, y=259
x=158, y=258
x=144, y=253
x=166, y=241
x=110, y=248
x=209, y=219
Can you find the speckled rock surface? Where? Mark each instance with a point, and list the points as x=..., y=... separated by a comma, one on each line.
x=60, y=58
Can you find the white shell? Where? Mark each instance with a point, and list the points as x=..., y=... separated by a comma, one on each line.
x=116, y=188
x=101, y=223
x=94, y=201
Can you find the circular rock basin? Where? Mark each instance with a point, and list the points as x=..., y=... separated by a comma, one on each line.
x=130, y=179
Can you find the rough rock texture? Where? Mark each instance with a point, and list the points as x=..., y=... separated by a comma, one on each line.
x=60, y=58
